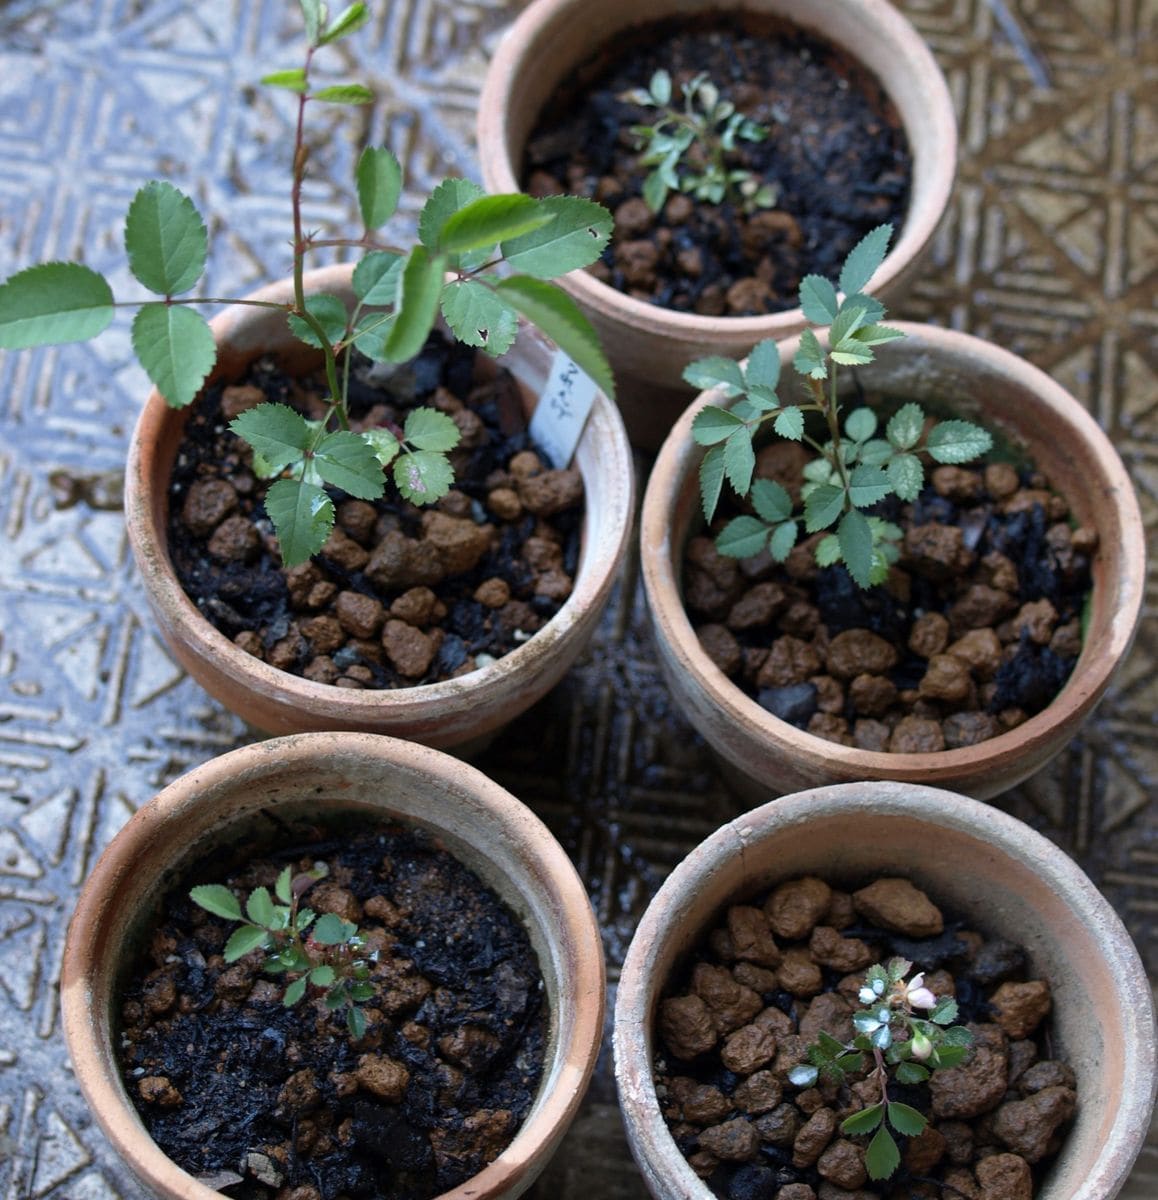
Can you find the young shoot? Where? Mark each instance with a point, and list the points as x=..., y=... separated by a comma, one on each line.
x=323, y=952
x=464, y=237
x=906, y=1033
x=692, y=147
x=856, y=466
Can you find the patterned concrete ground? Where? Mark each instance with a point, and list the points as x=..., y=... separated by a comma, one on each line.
x=1051, y=248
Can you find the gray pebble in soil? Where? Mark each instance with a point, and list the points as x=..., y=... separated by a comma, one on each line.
x=795, y=703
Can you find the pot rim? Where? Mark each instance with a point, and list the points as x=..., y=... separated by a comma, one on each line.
x=576, y=938
x=996, y=834
x=530, y=36
x=679, y=456
x=590, y=588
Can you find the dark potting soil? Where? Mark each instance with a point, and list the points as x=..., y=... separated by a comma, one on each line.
x=399, y=595
x=228, y=1080
x=977, y=628
x=836, y=153
x=779, y=969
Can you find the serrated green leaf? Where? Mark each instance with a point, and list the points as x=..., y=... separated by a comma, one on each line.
x=882, y=1156
x=293, y=79
x=810, y=359
x=851, y=354
x=828, y=1044
x=876, y=335
x=294, y=992
x=789, y=423
x=478, y=316
x=53, y=303
x=314, y=12
x=322, y=976
x=376, y=278
x=242, y=941
x=771, y=501
x=346, y=22
x=655, y=190
x=711, y=481
x=876, y=452
x=715, y=371
x=783, y=539
x=335, y=998
x=417, y=306
x=175, y=346
x=874, y=310
x=362, y=991
x=742, y=537
x=856, y=550
x=275, y=431
x=383, y=443
x=818, y=299
x=165, y=239
x=259, y=907
x=946, y=1011
x=348, y=461
x=217, y=899
x=828, y=551
x=849, y=319
x=906, y=475
x=379, y=182
x=739, y=461
x=957, y=442
x=302, y=515
x=822, y=507
x=911, y=1072
x=483, y=223
x=574, y=237
x=557, y=316
x=429, y=429
x=329, y=312
x=864, y=259
x=281, y=889
x=330, y=930
x=711, y=425
x=760, y=399
x=803, y=1076
x=763, y=369
x=864, y=1121
x=861, y=424
x=355, y=1023
x=868, y=485
x=905, y=426
x=444, y=202
x=957, y=1035
x=371, y=331
x=344, y=93
x=423, y=476
x=905, y=1119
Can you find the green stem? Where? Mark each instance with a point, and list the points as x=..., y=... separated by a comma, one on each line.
x=832, y=417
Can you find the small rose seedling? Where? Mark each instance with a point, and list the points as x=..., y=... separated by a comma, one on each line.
x=463, y=237
x=855, y=468
x=689, y=147
x=903, y=1045
x=323, y=952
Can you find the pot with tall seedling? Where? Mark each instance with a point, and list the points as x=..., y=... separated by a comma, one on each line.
x=912, y=556
x=339, y=499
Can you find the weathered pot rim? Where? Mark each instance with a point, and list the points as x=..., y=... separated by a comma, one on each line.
x=532, y=31
x=577, y=941
x=998, y=836
x=424, y=701
x=679, y=456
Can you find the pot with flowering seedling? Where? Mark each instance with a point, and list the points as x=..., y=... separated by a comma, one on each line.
x=297, y=486
x=840, y=583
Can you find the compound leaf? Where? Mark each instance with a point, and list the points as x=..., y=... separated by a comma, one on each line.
x=176, y=348
x=165, y=239
x=379, y=181
x=348, y=461
x=303, y=515
x=53, y=303
x=275, y=431
x=423, y=476
x=574, y=237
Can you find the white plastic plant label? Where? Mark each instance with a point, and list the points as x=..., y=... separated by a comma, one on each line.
x=562, y=410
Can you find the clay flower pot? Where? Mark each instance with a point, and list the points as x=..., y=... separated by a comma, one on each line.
x=649, y=346
x=460, y=712
x=369, y=779
x=974, y=379
x=985, y=865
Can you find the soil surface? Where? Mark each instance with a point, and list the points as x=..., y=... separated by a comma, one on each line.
x=399, y=595
x=836, y=153
x=274, y=1102
x=785, y=966
x=977, y=628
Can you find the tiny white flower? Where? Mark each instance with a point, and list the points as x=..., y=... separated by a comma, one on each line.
x=919, y=996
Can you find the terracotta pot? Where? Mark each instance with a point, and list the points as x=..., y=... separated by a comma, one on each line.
x=461, y=713
x=766, y=756
x=983, y=864
x=649, y=346
x=308, y=777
